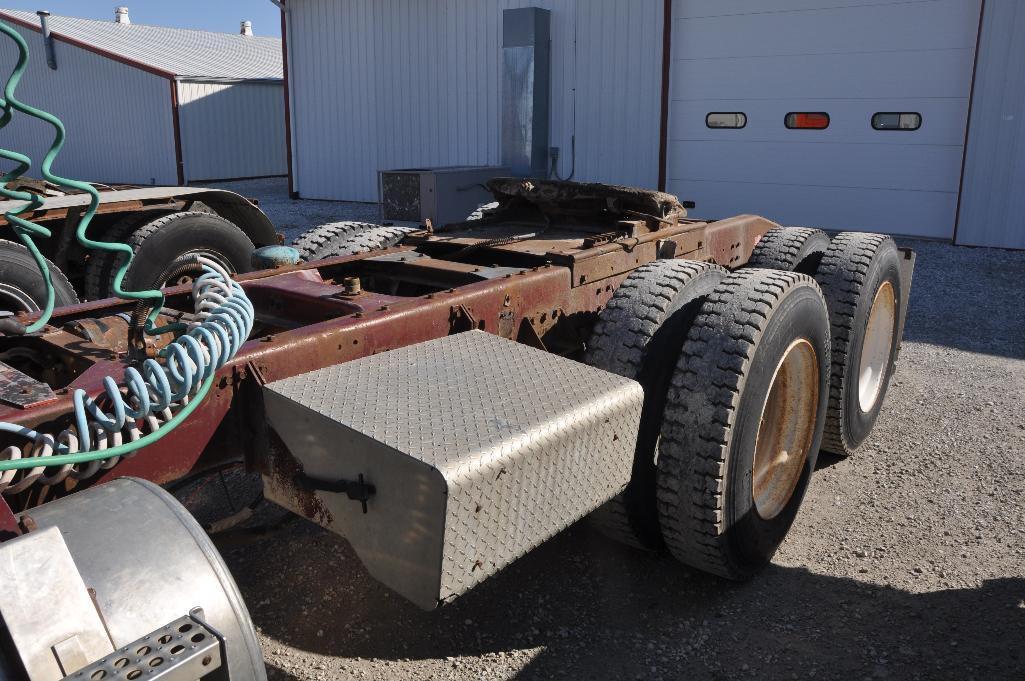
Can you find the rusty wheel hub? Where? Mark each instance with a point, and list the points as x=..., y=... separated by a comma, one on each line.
x=186, y=278
x=875, y=351
x=786, y=430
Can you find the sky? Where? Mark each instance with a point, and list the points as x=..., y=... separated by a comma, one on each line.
x=209, y=15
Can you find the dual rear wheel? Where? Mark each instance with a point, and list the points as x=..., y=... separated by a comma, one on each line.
x=160, y=242
x=746, y=375
x=860, y=278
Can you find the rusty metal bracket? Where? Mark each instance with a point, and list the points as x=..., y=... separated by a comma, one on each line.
x=9, y=527
x=22, y=391
x=599, y=239
x=506, y=324
x=462, y=319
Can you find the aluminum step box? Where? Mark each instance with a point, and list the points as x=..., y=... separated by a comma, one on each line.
x=477, y=450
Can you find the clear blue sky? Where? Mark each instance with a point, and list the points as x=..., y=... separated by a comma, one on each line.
x=209, y=15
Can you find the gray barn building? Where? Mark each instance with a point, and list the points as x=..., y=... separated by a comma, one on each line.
x=902, y=116
x=150, y=104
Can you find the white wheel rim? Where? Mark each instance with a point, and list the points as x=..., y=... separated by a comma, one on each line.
x=13, y=299
x=786, y=429
x=875, y=350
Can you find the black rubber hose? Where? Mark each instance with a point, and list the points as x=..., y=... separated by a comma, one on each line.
x=9, y=326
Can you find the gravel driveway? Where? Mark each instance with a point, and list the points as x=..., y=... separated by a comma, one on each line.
x=907, y=561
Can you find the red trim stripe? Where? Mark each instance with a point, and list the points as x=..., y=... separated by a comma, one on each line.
x=89, y=48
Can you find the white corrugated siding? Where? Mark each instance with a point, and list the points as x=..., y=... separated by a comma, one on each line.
x=992, y=200
x=118, y=118
x=232, y=130
x=404, y=83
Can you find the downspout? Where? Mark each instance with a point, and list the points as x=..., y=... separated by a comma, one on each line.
x=290, y=145
x=44, y=27
x=179, y=161
x=667, y=58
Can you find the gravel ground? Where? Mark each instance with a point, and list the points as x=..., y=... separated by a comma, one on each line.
x=907, y=560
x=292, y=218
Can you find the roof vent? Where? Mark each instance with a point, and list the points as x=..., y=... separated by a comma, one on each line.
x=247, y=28
x=121, y=15
x=44, y=27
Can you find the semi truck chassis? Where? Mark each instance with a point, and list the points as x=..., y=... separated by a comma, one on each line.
x=546, y=292
x=426, y=398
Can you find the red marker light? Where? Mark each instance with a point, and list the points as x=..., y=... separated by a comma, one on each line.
x=807, y=121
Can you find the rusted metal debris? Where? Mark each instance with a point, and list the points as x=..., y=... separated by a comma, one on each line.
x=561, y=197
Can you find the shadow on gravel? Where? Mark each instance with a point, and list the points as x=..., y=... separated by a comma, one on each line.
x=597, y=610
x=827, y=460
x=967, y=298
x=277, y=674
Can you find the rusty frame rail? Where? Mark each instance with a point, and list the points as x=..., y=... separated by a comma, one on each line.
x=547, y=294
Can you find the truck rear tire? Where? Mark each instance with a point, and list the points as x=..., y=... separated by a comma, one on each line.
x=790, y=249
x=860, y=277
x=99, y=269
x=363, y=241
x=164, y=240
x=326, y=238
x=638, y=336
x=22, y=288
x=743, y=421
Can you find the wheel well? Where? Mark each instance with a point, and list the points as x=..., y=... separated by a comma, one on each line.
x=250, y=219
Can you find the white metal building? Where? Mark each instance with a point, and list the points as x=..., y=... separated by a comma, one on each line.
x=398, y=84
x=150, y=104
x=855, y=113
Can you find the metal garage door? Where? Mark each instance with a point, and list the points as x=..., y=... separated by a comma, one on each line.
x=848, y=59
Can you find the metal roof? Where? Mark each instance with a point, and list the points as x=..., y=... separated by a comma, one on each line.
x=181, y=52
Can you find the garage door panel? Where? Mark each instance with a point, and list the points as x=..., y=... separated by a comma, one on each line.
x=847, y=58
x=943, y=121
x=866, y=28
x=842, y=208
x=849, y=76
x=920, y=168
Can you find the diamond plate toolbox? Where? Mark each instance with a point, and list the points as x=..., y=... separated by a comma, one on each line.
x=478, y=448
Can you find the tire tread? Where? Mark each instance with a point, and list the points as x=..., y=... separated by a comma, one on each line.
x=320, y=239
x=842, y=275
x=64, y=292
x=618, y=344
x=789, y=249
x=98, y=277
x=140, y=235
x=701, y=411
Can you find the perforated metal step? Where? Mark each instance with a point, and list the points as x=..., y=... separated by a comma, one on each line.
x=184, y=650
